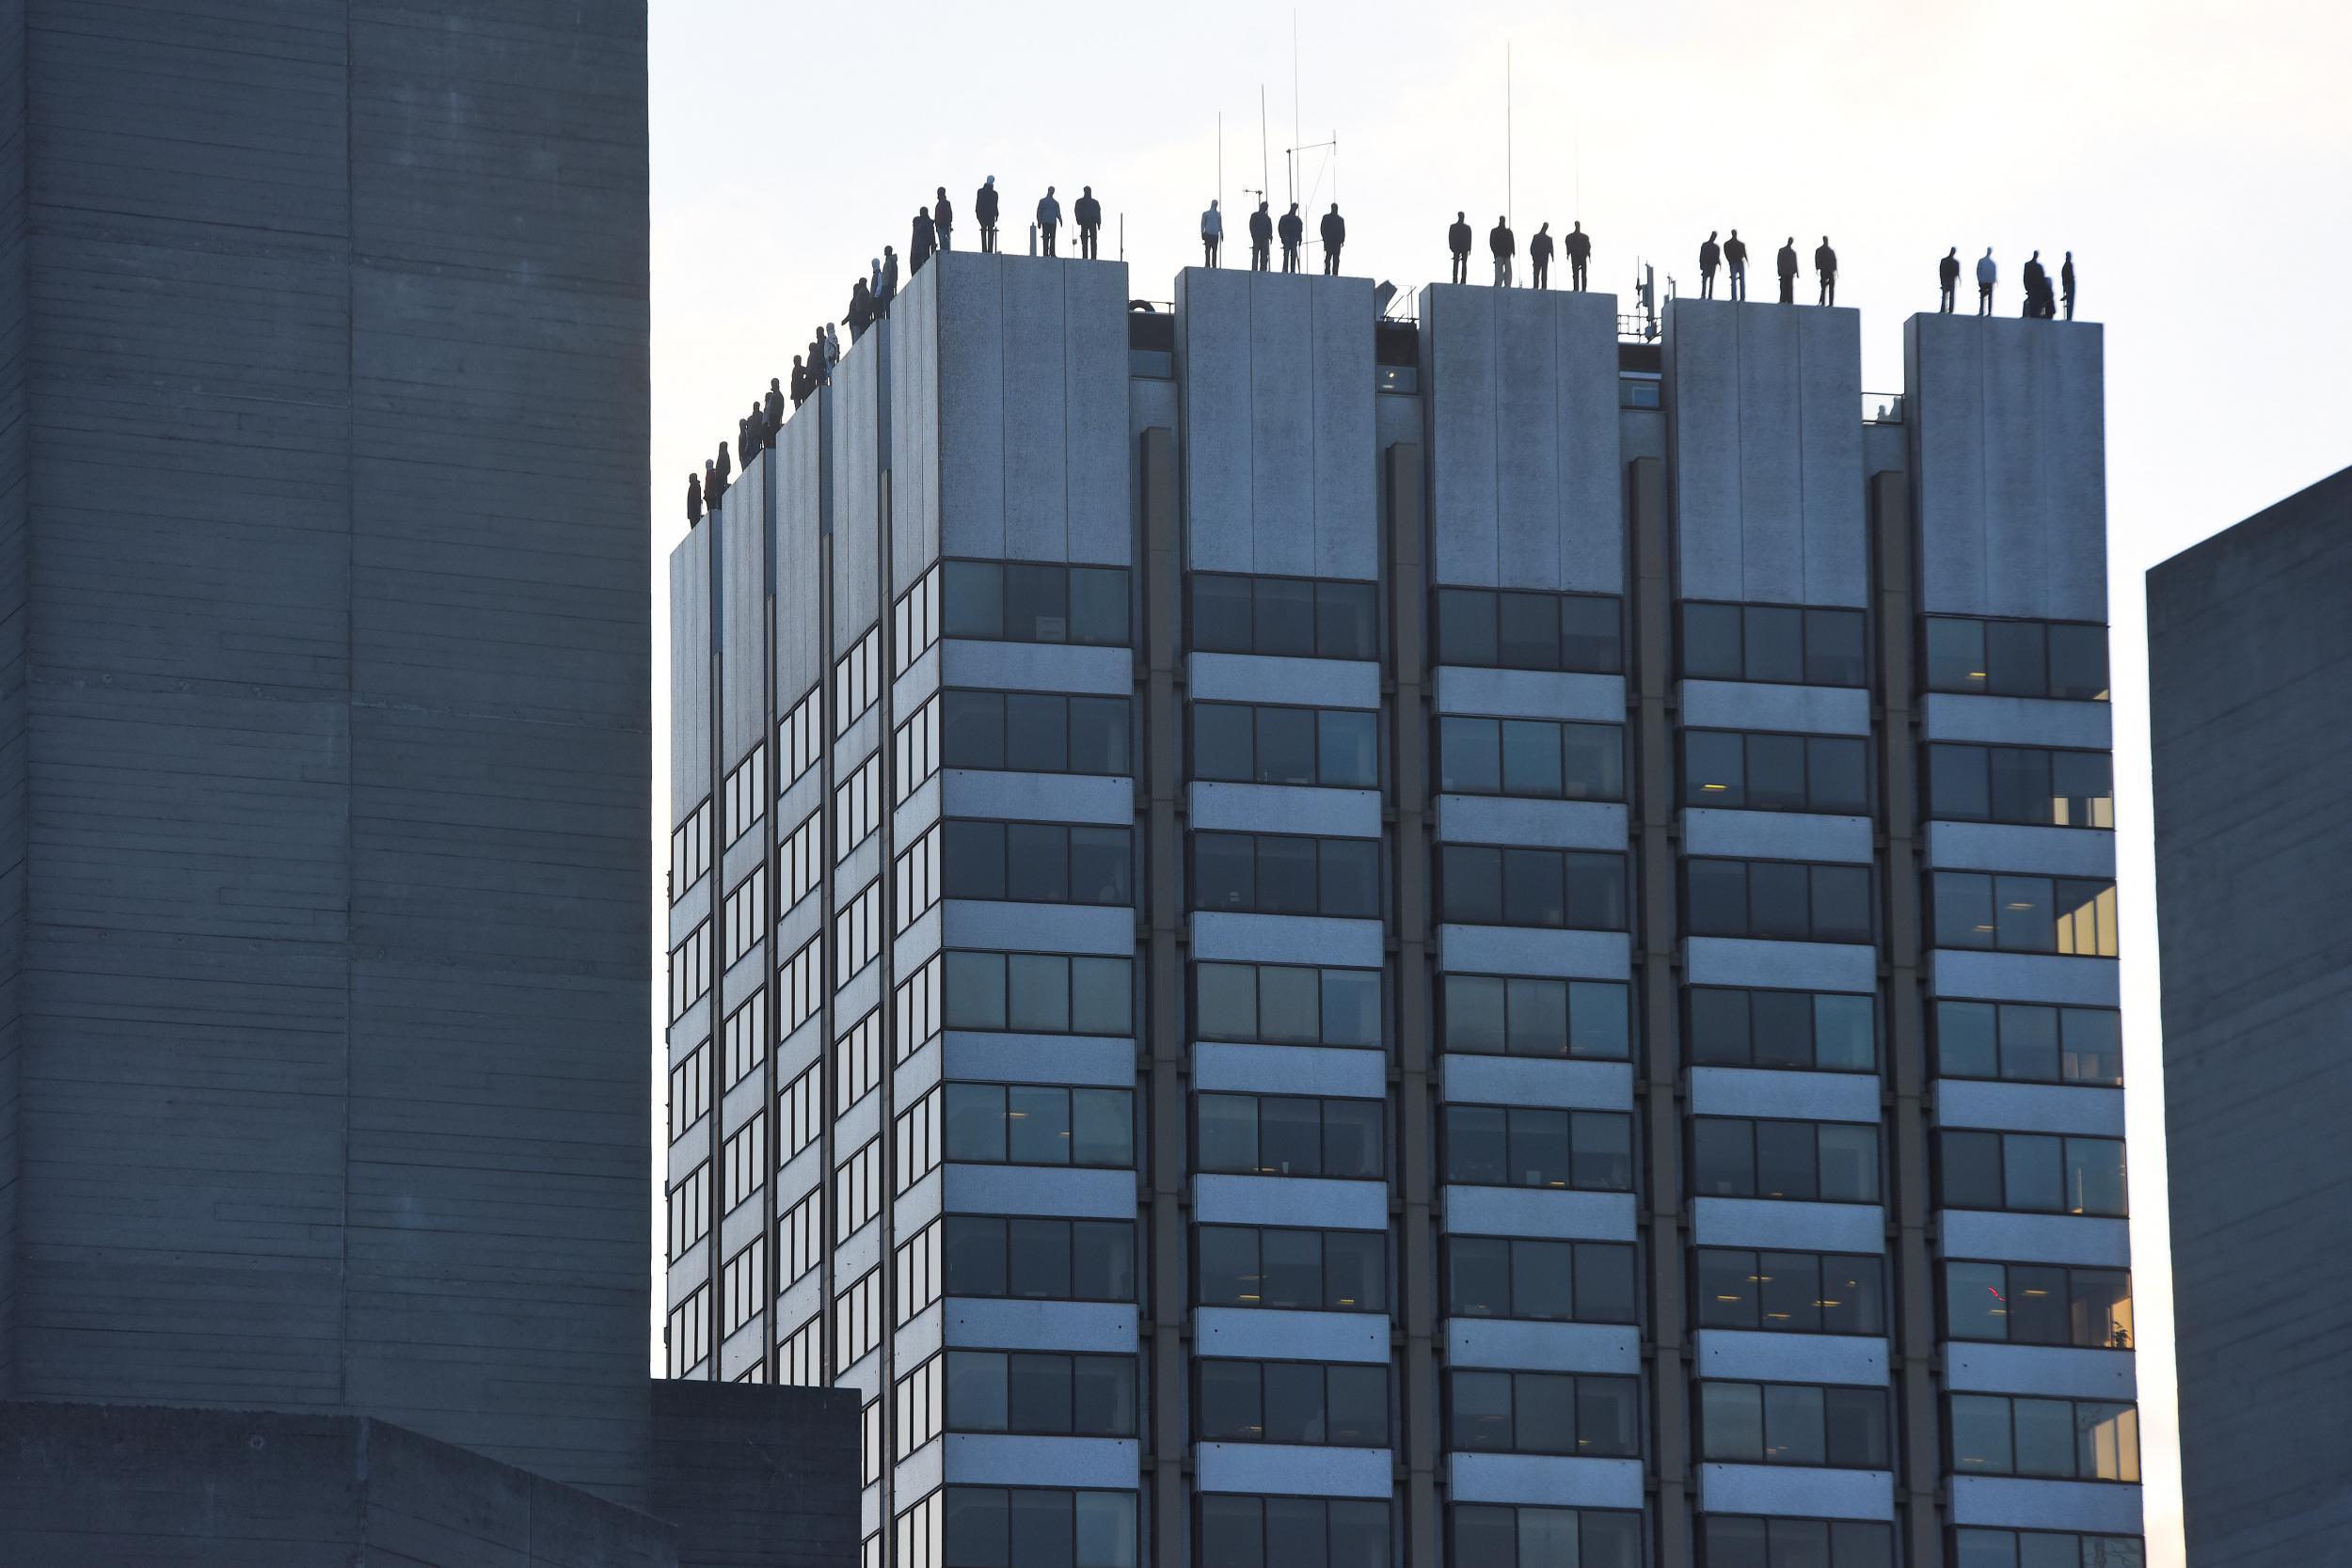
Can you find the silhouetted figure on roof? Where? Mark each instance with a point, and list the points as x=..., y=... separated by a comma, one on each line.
x=1787, y=263
x=984, y=211
x=1088, y=213
x=775, y=407
x=1736, y=257
x=921, y=242
x=1710, y=257
x=726, y=466
x=1504, y=244
x=2036, y=280
x=1457, y=240
x=1987, y=275
x=888, y=289
x=747, y=433
x=1211, y=235
x=713, y=487
x=1578, y=244
x=2066, y=284
x=1947, y=281
x=1539, y=256
x=942, y=219
x=833, y=354
x=1825, y=265
x=801, y=380
x=1261, y=238
x=1048, y=220
x=693, y=499
x=860, y=314
x=1293, y=229
x=1334, y=236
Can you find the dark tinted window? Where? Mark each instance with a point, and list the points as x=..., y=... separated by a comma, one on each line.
x=1498, y=1535
x=2041, y=1173
x=1045, y=862
x=1826, y=1161
x=1793, y=1423
x=1736, y=1541
x=1778, y=900
x=1342, y=1404
x=1289, y=1136
x=2016, y=658
x=1034, y=731
x=1237, y=743
x=2029, y=1042
x=1492, y=885
x=1275, y=874
x=1586, y=1415
x=1327, y=1271
x=1732, y=769
x=1514, y=629
x=1786, y=644
x=1525, y=1146
x=1831, y=1031
x=1789, y=1292
x=2039, y=1304
x=1036, y=1257
x=1539, y=758
x=1497, y=1015
x=1288, y=617
x=1555, y=1281
x=2025, y=784
x=1039, y=1124
x=1028, y=601
x=1290, y=1532
x=2021, y=913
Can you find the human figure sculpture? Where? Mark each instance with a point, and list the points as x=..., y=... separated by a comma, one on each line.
x=1987, y=275
x=1578, y=244
x=1539, y=256
x=1048, y=221
x=1786, y=262
x=942, y=219
x=1736, y=257
x=1211, y=235
x=1261, y=238
x=1293, y=229
x=1825, y=266
x=984, y=210
x=1947, y=281
x=1710, y=257
x=1504, y=244
x=693, y=499
x=1457, y=240
x=1088, y=213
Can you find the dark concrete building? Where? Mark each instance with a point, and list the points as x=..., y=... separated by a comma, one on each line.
x=1303, y=938
x=2249, y=659
x=324, y=721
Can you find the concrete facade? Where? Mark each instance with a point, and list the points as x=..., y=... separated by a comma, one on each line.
x=1366, y=487
x=2248, y=650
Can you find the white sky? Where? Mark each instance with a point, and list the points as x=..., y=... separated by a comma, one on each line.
x=2195, y=155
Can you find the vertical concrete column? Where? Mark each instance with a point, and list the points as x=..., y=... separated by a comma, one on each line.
x=886, y=1089
x=1918, y=1482
x=770, y=913
x=827, y=895
x=714, y=904
x=1416, y=1119
x=1659, y=1085
x=1163, y=1043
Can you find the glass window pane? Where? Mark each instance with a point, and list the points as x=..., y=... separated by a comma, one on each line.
x=1597, y=1022
x=1604, y=1282
x=972, y=729
x=1981, y=1440
x=1471, y=879
x=1348, y=749
x=1293, y=1262
x=1966, y=1042
x=1852, y=1296
x=2078, y=663
x=1833, y=647
x=1975, y=1301
x=1102, y=1260
x=1293, y=1402
x=1589, y=638
x=975, y=594
x=1474, y=1014
x=1794, y=1433
x=1360, y=1534
x=1039, y=1252
x=1790, y=1291
x=1478, y=1276
x=1603, y=1149
x=1730, y=1289
x=1772, y=644
x=1287, y=999
x=1594, y=761
x=1103, y=1127
x=1286, y=875
x=1106, y=1526
x=1226, y=1131
x=1101, y=866
x=2100, y=1312
x=1352, y=1137
x=1723, y=1157
x=1294, y=1529
x=1350, y=878
x=1784, y=1028
x=2094, y=1176
x=1719, y=1027
x=1098, y=734
x=1474, y=1149
x=1542, y=1410
x=1539, y=1147
x=1838, y=776
x=1036, y=602
x=1964, y=909
x=2045, y=1436
x=1036, y=732
x=1355, y=1271
x=977, y=1529
x=1232, y=1531
x=1955, y=654
x=1224, y=871
x=1227, y=1256
x=1856, y=1423
x=1481, y=1411
x=1532, y=758
x=1714, y=769
x=1711, y=642
x=1534, y=891
x=1037, y=1124
x=1785, y=1161
x=1230, y=1407
x=1780, y=900
x=1351, y=1006
x=1040, y=1528
x=1290, y=1136
x=1220, y=613
x=1543, y=1279
x=1612, y=1539
x=1844, y=1033
x=1037, y=987
x=1776, y=772
x=1958, y=785
x=1098, y=606
x=1037, y=863
x=975, y=991
x=976, y=1393
x=2029, y=1042
x=1596, y=891
x=2032, y=1174
x=1101, y=996
x=2018, y=785
x=2037, y=1304
x=1970, y=1169
x=1223, y=742
x=1485, y=1533
x=1849, y=1163
x=1734, y=1542
x=1528, y=628
x=1731, y=1421
x=1841, y=903
x=1284, y=623
x=1470, y=756
x=1539, y=1018
x=973, y=1255
x=976, y=1122
x=1800, y=1543
x=974, y=859
x=2013, y=655
x=1286, y=745
x=2108, y=1442
x=1987, y=1548
x=1465, y=627
x=1346, y=624
x=1225, y=997
x=2093, y=1045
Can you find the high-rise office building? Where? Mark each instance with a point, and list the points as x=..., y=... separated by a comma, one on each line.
x=2249, y=661
x=1309, y=939
x=325, y=769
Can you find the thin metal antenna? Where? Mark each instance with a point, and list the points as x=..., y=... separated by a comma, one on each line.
x=1265, y=163
x=1295, y=138
x=1220, y=160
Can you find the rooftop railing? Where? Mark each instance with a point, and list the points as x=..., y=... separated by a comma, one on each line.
x=1882, y=408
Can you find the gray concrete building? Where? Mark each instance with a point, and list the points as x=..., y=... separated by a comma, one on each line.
x=325, y=747
x=2248, y=656
x=1308, y=938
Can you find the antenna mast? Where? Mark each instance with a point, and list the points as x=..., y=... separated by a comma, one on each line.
x=1509, y=179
